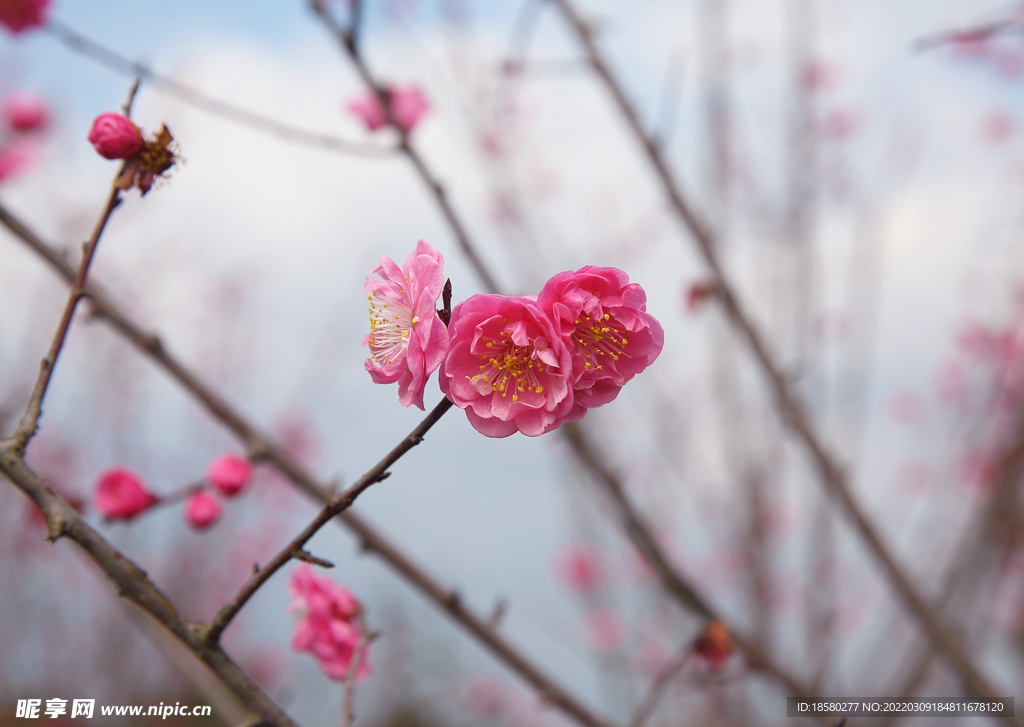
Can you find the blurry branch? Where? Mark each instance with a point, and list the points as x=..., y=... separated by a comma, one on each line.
x=671, y=580
x=331, y=510
x=93, y=50
x=62, y=520
x=660, y=685
x=987, y=527
x=791, y=408
x=30, y=419
x=133, y=585
x=347, y=40
x=348, y=701
x=637, y=530
x=977, y=34
x=372, y=541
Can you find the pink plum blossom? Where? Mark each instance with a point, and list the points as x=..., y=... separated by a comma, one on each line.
x=507, y=366
x=580, y=568
x=486, y=695
x=407, y=104
x=115, y=137
x=408, y=340
x=603, y=320
x=327, y=626
x=15, y=159
x=820, y=76
x=998, y=127
x=25, y=112
x=202, y=510
x=604, y=629
x=121, y=494
x=229, y=473
x=839, y=125
x=20, y=15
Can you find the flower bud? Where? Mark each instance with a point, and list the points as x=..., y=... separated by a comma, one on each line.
x=121, y=494
x=229, y=473
x=115, y=136
x=202, y=510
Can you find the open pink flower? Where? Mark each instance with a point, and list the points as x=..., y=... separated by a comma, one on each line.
x=229, y=473
x=121, y=494
x=407, y=340
x=327, y=626
x=603, y=320
x=507, y=367
x=202, y=510
x=407, y=104
x=115, y=136
x=25, y=112
x=20, y=15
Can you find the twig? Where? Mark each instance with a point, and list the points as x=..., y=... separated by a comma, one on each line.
x=348, y=702
x=986, y=528
x=345, y=40
x=978, y=33
x=133, y=585
x=193, y=97
x=791, y=408
x=671, y=580
x=30, y=419
x=659, y=685
x=331, y=510
x=373, y=541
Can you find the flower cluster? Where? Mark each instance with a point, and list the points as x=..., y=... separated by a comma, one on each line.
x=116, y=137
x=512, y=363
x=328, y=625
x=122, y=494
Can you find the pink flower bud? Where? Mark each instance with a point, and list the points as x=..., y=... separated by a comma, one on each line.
x=19, y=15
x=25, y=112
x=114, y=136
x=121, y=494
x=229, y=473
x=202, y=510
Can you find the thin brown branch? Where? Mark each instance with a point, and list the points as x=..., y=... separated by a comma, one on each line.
x=790, y=407
x=988, y=526
x=133, y=585
x=348, y=701
x=73, y=40
x=980, y=33
x=30, y=419
x=674, y=583
x=373, y=541
x=331, y=510
x=347, y=42
x=660, y=685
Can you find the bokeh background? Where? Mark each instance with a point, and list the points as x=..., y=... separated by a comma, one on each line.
x=862, y=165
